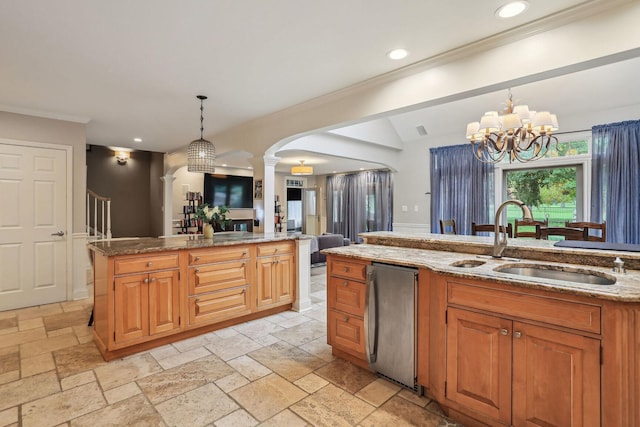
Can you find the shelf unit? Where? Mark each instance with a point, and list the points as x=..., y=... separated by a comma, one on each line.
x=189, y=224
x=278, y=215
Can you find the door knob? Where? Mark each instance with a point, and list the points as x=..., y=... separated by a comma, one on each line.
x=59, y=233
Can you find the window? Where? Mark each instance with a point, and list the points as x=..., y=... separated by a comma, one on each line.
x=555, y=188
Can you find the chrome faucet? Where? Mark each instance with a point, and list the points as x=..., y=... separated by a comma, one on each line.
x=499, y=244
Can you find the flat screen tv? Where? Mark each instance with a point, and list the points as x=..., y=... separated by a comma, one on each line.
x=228, y=190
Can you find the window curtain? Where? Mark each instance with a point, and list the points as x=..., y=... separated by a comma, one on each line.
x=359, y=202
x=615, y=181
x=461, y=188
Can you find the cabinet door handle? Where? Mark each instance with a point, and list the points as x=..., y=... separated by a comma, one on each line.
x=146, y=280
x=197, y=270
x=197, y=299
x=275, y=250
x=149, y=264
x=244, y=253
x=153, y=279
x=345, y=269
x=345, y=283
x=345, y=319
x=504, y=332
x=244, y=291
x=197, y=258
x=517, y=334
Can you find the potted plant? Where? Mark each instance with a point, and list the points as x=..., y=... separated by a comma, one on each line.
x=213, y=217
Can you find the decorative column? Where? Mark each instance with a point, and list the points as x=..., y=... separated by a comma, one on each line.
x=268, y=188
x=303, y=297
x=167, y=204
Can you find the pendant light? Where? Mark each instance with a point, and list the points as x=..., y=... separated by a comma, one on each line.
x=201, y=154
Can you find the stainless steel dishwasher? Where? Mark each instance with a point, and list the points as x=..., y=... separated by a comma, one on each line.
x=390, y=322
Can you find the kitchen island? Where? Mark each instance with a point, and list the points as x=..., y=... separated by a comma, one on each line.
x=152, y=291
x=496, y=348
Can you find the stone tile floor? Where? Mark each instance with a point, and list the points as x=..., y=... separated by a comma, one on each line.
x=275, y=371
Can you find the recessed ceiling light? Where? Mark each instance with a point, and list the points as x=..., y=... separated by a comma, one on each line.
x=249, y=167
x=224, y=165
x=137, y=139
x=398, y=54
x=512, y=9
x=361, y=169
x=335, y=171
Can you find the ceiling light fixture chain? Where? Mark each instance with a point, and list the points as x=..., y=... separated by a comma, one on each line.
x=201, y=154
x=519, y=134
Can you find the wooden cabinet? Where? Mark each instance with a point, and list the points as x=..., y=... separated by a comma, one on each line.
x=220, y=284
x=346, y=298
x=507, y=370
x=145, y=304
x=150, y=299
x=276, y=274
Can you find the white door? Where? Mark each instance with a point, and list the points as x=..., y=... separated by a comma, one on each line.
x=310, y=218
x=33, y=218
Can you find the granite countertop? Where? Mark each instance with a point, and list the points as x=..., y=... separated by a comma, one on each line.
x=531, y=249
x=626, y=288
x=187, y=241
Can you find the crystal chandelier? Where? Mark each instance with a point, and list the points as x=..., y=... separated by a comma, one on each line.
x=518, y=134
x=201, y=154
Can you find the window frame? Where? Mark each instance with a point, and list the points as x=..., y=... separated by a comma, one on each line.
x=582, y=162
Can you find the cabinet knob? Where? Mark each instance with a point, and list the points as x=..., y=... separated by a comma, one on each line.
x=504, y=332
x=345, y=269
x=197, y=270
x=149, y=264
x=146, y=280
x=517, y=334
x=153, y=279
x=345, y=319
x=345, y=283
x=244, y=253
x=197, y=258
x=244, y=291
x=275, y=250
x=197, y=299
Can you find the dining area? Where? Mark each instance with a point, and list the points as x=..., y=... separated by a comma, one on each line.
x=535, y=229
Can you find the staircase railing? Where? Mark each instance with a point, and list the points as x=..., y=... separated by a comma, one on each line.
x=96, y=217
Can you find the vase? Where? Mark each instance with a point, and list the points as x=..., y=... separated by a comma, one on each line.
x=207, y=231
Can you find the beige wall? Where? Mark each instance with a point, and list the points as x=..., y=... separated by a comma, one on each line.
x=36, y=129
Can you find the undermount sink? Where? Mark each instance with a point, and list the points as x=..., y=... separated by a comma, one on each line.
x=563, y=274
x=468, y=263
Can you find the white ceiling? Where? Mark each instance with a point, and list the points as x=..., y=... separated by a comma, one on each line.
x=133, y=69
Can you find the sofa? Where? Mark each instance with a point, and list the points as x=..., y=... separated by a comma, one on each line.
x=325, y=241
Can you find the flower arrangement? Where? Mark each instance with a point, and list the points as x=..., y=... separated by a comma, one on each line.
x=214, y=215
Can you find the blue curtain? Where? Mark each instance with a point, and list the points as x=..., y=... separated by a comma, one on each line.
x=461, y=188
x=615, y=180
x=359, y=202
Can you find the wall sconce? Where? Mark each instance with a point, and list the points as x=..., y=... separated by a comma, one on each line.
x=122, y=157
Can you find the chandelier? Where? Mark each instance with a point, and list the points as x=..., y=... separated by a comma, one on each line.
x=519, y=134
x=302, y=169
x=201, y=154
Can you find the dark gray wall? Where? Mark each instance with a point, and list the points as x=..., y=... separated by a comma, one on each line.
x=136, y=207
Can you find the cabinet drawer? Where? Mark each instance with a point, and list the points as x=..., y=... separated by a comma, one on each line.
x=346, y=333
x=568, y=314
x=145, y=263
x=348, y=269
x=277, y=248
x=220, y=305
x=219, y=276
x=346, y=295
x=207, y=256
